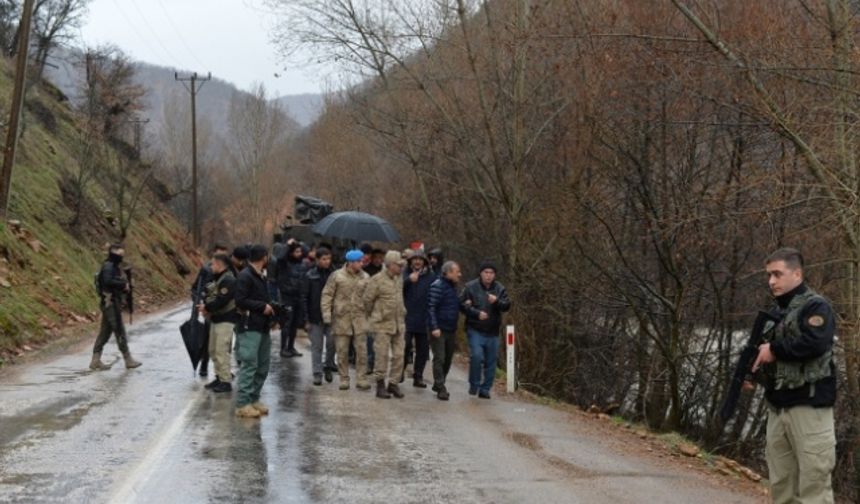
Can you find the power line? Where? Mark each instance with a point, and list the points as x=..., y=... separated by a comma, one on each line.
x=154, y=33
x=179, y=35
x=140, y=35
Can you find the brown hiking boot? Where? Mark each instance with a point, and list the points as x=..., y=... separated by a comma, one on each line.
x=394, y=390
x=130, y=363
x=96, y=364
x=262, y=408
x=247, y=411
x=381, y=393
x=363, y=386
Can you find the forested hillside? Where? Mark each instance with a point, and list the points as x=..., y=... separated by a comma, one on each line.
x=630, y=164
x=72, y=195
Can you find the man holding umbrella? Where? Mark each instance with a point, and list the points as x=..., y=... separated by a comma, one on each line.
x=253, y=340
x=343, y=310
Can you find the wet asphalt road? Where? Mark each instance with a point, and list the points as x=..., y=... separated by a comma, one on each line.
x=154, y=435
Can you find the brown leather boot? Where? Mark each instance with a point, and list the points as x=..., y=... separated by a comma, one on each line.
x=96, y=364
x=130, y=363
x=381, y=393
x=394, y=390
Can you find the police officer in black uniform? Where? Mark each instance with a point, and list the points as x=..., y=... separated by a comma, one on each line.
x=112, y=287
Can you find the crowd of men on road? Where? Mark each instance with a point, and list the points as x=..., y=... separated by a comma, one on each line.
x=389, y=308
x=382, y=310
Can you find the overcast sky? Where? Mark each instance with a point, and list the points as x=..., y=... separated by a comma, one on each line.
x=229, y=38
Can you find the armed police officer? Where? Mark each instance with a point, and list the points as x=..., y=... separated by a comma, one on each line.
x=253, y=339
x=799, y=375
x=219, y=308
x=112, y=287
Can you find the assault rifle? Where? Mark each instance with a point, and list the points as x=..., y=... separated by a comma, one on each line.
x=130, y=296
x=764, y=323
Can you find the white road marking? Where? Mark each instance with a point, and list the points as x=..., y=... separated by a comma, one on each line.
x=140, y=475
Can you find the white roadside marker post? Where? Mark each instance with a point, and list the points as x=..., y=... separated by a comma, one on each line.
x=511, y=368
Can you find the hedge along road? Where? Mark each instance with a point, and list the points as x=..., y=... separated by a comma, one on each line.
x=155, y=435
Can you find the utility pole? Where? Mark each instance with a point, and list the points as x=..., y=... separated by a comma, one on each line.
x=138, y=126
x=17, y=103
x=193, y=79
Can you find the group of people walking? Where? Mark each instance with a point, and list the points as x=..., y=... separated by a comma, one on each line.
x=380, y=310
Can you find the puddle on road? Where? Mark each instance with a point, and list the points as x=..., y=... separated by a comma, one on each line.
x=45, y=421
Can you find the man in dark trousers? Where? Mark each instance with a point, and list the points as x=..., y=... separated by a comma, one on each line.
x=799, y=377
x=318, y=332
x=416, y=289
x=443, y=313
x=198, y=293
x=291, y=272
x=112, y=287
x=483, y=301
x=253, y=340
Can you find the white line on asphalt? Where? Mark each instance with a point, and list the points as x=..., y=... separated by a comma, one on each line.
x=128, y=492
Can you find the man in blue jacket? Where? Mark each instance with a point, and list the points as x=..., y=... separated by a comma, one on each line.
x=443, y=312
x=416, y=290
x=483, y=301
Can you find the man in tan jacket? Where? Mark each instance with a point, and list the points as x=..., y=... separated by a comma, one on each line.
x=383, y=301
x=343, y=311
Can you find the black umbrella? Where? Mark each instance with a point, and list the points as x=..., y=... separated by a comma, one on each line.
x=193, y=330
x=356, y=226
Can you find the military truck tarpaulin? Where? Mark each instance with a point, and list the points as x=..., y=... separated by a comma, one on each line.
x=310, y=210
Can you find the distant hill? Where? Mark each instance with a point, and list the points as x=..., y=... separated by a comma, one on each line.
x=213, y=103
x=304, y=108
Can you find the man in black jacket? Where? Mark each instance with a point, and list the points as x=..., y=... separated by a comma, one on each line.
x=319, y=333
x=416, y=288
x=219, y=308
x=198, y=291
x=253, y=340
x=112, y=287
x=483, y=301
x=290, y=270
x=799, y=376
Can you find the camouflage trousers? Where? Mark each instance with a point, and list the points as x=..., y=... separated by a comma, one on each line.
x=389, y=350
x=111, y=324
x=342, y=342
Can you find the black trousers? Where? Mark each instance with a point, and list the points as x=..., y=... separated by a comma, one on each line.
x=420, y=344
x=289, y=322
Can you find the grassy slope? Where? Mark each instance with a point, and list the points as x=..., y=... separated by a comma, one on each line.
x=53, y=287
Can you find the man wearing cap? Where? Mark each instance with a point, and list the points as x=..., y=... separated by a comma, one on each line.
x=483, y=301
x=383, y=300
x=343, y=310
x=416, y=289
x=219, y=308
x=253, y=341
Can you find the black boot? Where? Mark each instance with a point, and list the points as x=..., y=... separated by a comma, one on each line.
x=394, y=390
x=419, y=383
x=328, y=376
x=443, y=394
x=381, y=393
x=214, y=383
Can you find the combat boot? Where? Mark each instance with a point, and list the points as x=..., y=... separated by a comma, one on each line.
x=381, y=393
x=262, y=408
x=130, y=363
x=394, y=390
x=96, y=364
x=363, y=386
x=344, y=384
x=247, y=411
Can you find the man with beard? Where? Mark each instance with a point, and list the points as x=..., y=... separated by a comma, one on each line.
x=291, y=271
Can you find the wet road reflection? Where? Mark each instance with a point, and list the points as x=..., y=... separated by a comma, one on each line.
x=154, y=435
